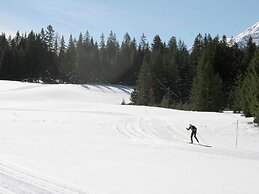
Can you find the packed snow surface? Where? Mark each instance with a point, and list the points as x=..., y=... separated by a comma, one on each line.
x=80, y=139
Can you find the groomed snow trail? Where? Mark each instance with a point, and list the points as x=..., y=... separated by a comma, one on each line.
x=151, y=130
x=75, y=139
x=22, y=182
x=159, y=131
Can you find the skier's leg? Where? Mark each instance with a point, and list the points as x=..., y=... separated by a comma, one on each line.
x=192, y=137
x=196, y=138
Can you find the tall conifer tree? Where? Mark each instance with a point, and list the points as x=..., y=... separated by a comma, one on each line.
x=249, y=90
x=206, y=91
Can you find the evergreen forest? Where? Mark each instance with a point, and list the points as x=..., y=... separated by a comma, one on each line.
x=213, y=77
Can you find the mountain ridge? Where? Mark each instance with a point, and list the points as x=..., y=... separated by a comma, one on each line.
x=242, y=38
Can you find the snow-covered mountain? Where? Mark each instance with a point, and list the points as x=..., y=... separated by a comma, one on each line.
x=243, y=37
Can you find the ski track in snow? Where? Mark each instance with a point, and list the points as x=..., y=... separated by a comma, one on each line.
x=21, y=182
x=147, y=130
x=164, y=132
x=29, y=87
x=136, y=127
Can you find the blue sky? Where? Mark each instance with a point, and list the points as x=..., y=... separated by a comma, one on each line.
x=183, y=19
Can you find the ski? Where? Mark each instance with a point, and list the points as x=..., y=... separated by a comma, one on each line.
x=199, y=144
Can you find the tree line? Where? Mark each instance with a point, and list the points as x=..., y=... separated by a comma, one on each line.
x=46, y=57
x=213, y=77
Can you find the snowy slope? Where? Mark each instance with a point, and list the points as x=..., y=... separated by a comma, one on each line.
x=243, y=37
x=79, y=139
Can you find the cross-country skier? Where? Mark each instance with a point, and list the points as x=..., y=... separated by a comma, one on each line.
x=194, y=132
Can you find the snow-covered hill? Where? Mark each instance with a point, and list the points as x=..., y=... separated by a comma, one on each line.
x=78, y=139
x=243, y=37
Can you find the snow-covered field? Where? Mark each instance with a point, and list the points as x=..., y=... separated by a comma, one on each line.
x=79, y=139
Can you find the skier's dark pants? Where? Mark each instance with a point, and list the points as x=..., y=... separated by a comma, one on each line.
x=194, y=134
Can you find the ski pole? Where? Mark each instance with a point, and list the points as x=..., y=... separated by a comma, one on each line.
x=202, y=138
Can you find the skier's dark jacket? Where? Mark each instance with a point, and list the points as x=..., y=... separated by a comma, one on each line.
x=193, y=128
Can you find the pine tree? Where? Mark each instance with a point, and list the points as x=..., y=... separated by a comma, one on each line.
x=206, y=90
x=50, y=37
x=243, y=84
x=157, y=70
x=62, y=58
x=196, y=51
x=185, y=71
x=82, y=59
x=250, y=92
x=71, y=61
x=144, y=91
x=172, y=74
x=143, y=43
x=42, y=35
x=3, y=46
x=33, y=66
x=126, y=62
x=95, y=60
x=7, y=65
x=103, y=60
x=249, y=53
x=112, y=53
